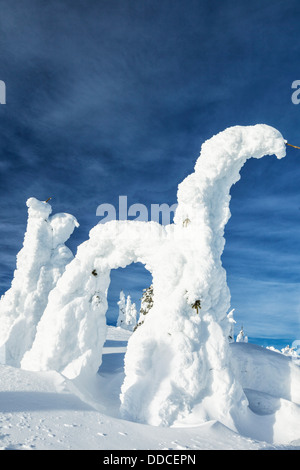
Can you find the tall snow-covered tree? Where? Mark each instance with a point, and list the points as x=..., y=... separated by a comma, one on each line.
x=40, y=264
x=130, y=314
x=232, y=322
x=122, y=309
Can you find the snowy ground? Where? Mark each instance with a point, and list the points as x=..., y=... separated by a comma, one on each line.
x=44, y=411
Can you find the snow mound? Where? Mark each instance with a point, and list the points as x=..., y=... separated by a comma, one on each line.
x=266, y=371
x=271, y=382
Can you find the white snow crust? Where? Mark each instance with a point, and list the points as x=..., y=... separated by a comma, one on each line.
x=46, y=411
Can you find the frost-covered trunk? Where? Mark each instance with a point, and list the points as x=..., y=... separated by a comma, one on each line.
x=40, y=263
x=177, y=363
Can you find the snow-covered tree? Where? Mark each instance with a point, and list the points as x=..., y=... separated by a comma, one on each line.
x=146, y=304
x=241, y=337
x=232, y=322
x=127, y=313
x=122, y=308
x=130, y=314
x=178, y=360
x=40, y=263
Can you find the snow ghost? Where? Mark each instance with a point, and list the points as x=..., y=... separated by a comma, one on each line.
x=127, y=313
x=40, y=263
x=177, y=363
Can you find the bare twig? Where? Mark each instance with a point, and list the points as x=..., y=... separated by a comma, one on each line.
x=294, y=146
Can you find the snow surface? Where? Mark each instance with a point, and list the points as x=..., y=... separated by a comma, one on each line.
x=44, y=410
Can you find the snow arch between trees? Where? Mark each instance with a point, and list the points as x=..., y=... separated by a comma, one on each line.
x=178, y=361
x=76, y=335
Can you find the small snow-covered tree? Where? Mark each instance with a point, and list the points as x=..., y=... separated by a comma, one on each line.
x=130, y=314
x=146, y=304
x=127, y=313
x=232, y=322
x=122, y=308
x=289, y=351
x=241, y=337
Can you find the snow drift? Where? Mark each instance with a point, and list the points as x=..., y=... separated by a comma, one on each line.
x=46, y=411
x=271, y=382
x=179, y=359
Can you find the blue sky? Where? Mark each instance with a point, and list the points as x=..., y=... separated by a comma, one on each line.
x=108, y=98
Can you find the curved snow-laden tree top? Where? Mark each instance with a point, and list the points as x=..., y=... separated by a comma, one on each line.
x=40, y=263
x=177, y=362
